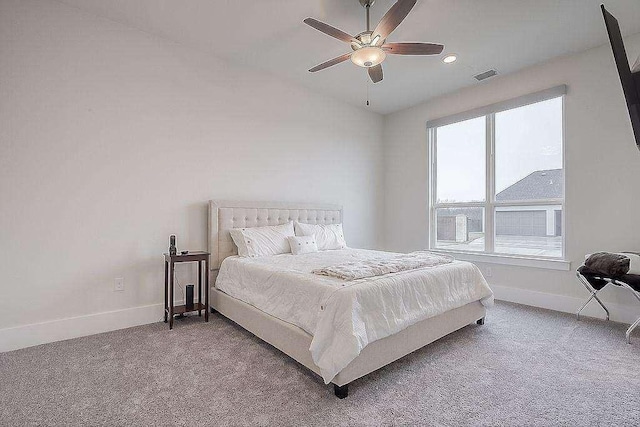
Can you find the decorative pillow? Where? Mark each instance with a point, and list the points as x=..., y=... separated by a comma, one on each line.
x=238, y=239
x=327, y=236
x=303, y=244
x=263, y=241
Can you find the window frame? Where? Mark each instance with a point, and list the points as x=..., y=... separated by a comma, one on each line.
x=490, y=203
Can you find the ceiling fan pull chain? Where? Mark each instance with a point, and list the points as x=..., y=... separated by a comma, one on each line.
x=367, y=92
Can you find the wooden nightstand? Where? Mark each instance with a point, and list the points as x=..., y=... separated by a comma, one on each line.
x=169, y=271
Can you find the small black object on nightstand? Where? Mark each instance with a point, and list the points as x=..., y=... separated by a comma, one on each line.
x=169, y=271
x=172, y=245
x=188, y=297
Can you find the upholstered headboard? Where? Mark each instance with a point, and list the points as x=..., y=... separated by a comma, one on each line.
x=225, y=215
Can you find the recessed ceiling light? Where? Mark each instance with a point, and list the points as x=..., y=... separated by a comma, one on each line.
x=449, y=59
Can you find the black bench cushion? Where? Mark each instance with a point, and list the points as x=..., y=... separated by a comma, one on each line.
x=632, y=280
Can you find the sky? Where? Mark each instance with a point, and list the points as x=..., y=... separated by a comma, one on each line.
x=528, y=139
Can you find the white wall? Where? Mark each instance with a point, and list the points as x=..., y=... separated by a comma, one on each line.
x=111, y=140
x=602, y=169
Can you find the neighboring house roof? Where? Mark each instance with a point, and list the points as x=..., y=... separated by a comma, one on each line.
x=538, y=185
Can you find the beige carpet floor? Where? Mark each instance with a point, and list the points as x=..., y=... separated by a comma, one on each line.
x=524, y=367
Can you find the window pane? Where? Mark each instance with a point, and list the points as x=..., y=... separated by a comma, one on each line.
x=529, y=152
x=461, y=161
x=460, y=229
x=529, y=230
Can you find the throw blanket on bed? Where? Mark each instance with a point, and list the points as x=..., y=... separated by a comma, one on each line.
x=380, y=266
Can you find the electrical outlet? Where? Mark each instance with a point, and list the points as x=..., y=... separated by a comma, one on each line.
x=118, y=285
x=489, y=272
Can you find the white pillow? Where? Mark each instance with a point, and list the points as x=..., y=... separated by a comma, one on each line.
x=327, y=236
x=263, y=241
x=634, y=262
x=303, y=244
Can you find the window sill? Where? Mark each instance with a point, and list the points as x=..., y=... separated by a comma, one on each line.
x=520, y=261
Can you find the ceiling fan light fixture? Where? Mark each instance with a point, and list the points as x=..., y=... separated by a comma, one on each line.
x=369, y=56
x=449, y=59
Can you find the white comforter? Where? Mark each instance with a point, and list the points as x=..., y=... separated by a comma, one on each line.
x=343, y=317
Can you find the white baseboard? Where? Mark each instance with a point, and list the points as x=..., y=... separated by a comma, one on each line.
x=57, y=330
x=73, y=327
x=619, y=313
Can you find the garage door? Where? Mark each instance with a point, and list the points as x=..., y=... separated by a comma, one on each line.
x=521, y=223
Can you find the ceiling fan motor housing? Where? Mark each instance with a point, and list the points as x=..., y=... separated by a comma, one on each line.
x=364, y=39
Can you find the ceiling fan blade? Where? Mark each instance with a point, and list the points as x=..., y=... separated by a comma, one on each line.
x=331, y=62
x=329, y=30
x=375, y=73
x=393, y=18
x=413, y=48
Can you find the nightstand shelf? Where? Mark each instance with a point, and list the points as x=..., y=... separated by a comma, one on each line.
x=182, y=309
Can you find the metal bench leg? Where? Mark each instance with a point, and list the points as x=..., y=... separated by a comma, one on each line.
x=637, y=322
x=631, y=328
x=592, y=296
x=606, y=310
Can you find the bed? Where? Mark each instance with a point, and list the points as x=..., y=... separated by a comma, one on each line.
x=293, y=331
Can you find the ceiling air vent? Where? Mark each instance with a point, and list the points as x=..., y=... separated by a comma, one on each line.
x=485, y=75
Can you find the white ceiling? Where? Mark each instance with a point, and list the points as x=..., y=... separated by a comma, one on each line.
x=269, y=35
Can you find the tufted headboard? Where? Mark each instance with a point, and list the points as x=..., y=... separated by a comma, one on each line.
x=224, y=215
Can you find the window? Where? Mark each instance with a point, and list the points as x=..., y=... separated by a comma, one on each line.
x=497, y=178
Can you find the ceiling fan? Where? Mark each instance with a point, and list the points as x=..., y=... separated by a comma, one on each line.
x=370, y=47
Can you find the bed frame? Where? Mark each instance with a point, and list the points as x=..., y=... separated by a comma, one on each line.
x=290, y=339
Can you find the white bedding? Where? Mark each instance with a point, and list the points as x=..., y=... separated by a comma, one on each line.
x=343, y=317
